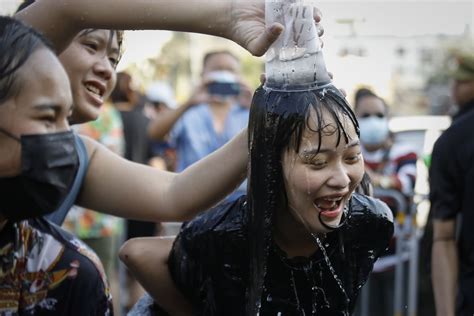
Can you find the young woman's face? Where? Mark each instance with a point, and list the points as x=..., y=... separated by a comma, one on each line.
x=90, y=64
x=319, y=183
x=42, y=105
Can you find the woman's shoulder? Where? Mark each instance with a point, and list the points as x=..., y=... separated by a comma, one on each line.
x=226, y=218
x=363, y=205
x=370, y=223
x=370, y=218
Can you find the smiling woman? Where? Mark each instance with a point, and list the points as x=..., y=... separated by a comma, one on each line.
x=44, y=269
x=302, y=241
x=90, y=62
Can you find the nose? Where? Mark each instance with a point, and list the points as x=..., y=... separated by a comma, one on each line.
x=103, y=68
x=63, y=126
x=339, y=178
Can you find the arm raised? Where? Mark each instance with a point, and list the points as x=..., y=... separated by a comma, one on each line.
x=241, y=21
x=122, y=188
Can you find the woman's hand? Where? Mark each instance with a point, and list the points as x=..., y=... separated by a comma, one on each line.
x=248, y=29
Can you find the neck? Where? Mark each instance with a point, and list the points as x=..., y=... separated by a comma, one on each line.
x=219, y=113
x=220, y=106
x=292, y=236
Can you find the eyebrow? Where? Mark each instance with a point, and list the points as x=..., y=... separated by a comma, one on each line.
x=51, y=106
x=110, y=49
x=315, y=151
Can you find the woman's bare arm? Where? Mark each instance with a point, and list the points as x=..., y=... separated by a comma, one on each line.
x=147, y=260
x=241, y=21
x=122, y=188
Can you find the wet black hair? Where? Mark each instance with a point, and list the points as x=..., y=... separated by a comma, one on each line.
x=24, y=4
x=277, y=122
x=17, y=43
x=118, y=33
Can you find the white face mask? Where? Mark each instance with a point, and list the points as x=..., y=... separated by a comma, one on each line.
x=373, y=130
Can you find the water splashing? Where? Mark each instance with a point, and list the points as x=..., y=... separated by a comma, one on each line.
x=331, y=268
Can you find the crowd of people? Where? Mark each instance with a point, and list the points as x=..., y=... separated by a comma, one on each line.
x=275, y=187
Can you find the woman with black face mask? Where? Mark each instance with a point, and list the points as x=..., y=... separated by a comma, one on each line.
x=44, y=270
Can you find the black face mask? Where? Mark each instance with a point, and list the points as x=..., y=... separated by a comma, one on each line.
x=49, y=164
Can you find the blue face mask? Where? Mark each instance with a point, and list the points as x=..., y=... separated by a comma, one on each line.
x=373, y=130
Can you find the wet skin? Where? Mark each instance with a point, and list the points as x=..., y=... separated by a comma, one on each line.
x=317, y=181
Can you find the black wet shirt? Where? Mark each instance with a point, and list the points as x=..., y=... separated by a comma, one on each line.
x=452, y=191
x=210, y=259
x=46, y=271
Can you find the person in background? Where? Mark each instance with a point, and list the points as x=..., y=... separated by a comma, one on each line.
x=210, y=117
x=161, y=97
x=130, y=104
x=451, y=179
x=100, y=231
x=390, y=165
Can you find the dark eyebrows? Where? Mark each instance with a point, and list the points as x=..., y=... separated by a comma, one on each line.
x=353, y=143
x=315, y=151
x=102, y=41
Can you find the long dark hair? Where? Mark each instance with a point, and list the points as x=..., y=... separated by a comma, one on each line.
x=277, y=122
x=17, y=43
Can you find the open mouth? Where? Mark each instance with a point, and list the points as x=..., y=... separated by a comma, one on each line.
x=329, y=207
x=93, y=89
x=95, y=93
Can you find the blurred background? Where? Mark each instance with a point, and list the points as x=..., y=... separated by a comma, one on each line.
x=398, y=48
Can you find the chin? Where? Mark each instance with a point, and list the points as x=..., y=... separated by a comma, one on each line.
x=333, y=223
x=84, y=114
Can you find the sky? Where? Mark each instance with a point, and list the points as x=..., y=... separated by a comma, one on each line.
x=399, y=18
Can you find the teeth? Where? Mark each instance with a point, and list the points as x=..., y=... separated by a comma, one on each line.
x=93, y=89
x=333, y=201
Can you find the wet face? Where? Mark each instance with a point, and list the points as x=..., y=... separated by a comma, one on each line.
x=90, y=62
x=42, y=105
x=463, y=92
x=321, y=182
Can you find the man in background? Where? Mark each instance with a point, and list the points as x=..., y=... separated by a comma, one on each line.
x=212, y=115
x=451, y=191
